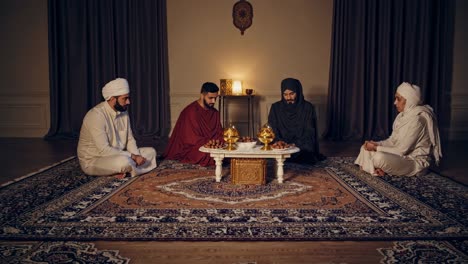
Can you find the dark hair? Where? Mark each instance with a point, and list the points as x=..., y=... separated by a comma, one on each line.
x=209, y=87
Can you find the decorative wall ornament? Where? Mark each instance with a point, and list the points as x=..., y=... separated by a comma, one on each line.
x=242, y=15
x=225, y=86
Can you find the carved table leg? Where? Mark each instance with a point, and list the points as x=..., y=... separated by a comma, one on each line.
x=219, y=165
x=279, y=169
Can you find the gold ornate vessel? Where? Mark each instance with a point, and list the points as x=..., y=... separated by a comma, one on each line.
x=231, y=135
x=225, y=86
x=266, y=136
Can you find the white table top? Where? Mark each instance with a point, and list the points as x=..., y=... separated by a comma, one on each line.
x=251, y=153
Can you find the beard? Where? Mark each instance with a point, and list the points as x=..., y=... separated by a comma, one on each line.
x=119, y=107
x=207, y=104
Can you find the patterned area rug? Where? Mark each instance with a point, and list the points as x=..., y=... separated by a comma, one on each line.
x=57, y=252
x=332, y=200
x=429, y=251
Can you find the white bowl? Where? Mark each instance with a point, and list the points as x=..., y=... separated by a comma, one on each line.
x=246, y=145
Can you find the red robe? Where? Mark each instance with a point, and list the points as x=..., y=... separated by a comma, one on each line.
x=195, y=127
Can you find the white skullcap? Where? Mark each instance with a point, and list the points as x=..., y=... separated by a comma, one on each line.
x=116, y=87
x=412, y=94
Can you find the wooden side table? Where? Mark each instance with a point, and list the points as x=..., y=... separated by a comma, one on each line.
x=223, y=99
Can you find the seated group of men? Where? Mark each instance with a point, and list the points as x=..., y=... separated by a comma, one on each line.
x=107, y=146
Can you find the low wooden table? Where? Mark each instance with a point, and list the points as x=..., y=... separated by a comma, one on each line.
x=279, y=154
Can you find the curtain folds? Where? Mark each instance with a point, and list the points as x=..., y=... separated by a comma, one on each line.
x=92, y=42
x=376, y=45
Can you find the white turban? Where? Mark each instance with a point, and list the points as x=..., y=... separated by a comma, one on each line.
x=412, y=94
x=116, y=87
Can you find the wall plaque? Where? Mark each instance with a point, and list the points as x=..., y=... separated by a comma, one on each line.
x=242, y=15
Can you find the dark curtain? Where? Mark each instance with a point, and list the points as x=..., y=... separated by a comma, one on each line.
x=93, y=42
x=377, y=45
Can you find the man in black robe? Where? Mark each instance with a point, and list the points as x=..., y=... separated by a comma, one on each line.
x=293, y=120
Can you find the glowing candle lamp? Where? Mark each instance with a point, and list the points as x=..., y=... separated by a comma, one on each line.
x=237, y=87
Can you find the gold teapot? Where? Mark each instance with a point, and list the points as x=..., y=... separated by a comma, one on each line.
x=266, y=136
x=231, y=135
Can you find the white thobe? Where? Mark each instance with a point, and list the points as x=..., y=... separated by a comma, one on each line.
x=407, y=152
x=106, y=144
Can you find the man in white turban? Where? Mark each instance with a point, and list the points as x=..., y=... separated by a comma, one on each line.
x=414, y=143
x=106, y=145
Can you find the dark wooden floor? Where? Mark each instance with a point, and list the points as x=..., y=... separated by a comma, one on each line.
x=23, y=156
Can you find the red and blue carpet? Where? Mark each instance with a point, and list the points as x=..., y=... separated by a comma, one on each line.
x=332, y=200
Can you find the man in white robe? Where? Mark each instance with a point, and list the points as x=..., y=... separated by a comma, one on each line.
x=106, y=145
x=413, y=144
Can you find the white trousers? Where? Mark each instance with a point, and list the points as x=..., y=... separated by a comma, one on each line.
x=390, y=163
x=109, y=165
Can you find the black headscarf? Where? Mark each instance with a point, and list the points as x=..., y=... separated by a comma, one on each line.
x=298, y=106
x=296, y=123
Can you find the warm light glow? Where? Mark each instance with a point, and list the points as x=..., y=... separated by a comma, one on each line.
x=237, y=87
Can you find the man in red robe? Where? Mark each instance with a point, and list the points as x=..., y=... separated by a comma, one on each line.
x=197, y=124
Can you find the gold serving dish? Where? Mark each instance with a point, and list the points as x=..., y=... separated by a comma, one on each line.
x=266, y=136
x=231, y=135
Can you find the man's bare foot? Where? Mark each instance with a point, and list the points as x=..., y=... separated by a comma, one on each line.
x=119, y=175
x=379, y=172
